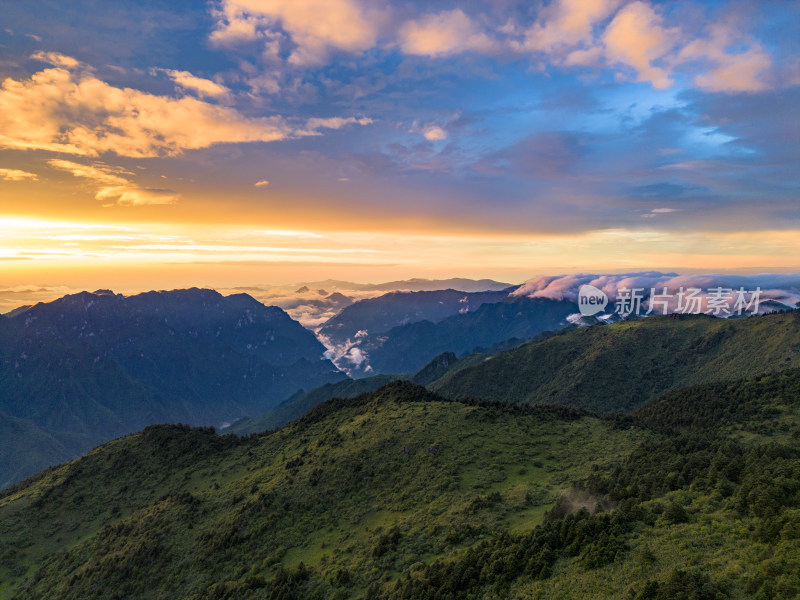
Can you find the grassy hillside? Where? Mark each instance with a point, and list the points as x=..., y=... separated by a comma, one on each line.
x=297, y=406
x=26, y=448
x=358, y=490
x=399, y=494
x=621, y=366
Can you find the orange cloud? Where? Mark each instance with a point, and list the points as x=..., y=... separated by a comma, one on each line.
x=17, y=175
x=315, y=26
x=637, y=39
x=74, y=112
x=114, y=187
x=435, y=134
x=584, y=58
x=57, y=59
x=448, y=32
x=731, y=72
x=203, y=87
x=567, y=23
x=335, y=122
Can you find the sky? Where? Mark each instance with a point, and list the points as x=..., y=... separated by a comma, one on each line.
x=160, y=144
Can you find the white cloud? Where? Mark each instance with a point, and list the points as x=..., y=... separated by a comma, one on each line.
x=17, y=175
x=265, y=83
x=632, y=37
x=356, y=356
x=783, y=288
x=72, y=111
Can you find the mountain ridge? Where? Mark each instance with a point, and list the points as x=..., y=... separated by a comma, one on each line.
x=96, y=366
x=620, y=366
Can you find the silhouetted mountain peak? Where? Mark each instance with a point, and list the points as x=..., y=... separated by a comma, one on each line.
x=338, y=297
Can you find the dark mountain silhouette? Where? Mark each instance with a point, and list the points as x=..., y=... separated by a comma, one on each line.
x=89, y=367
x=379, y=315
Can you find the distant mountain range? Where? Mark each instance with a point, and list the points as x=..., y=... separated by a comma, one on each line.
x=92, y=366
x=414, y=285
x=312, y=303
x=401, y=332
x=379, y=315
x=603, y=368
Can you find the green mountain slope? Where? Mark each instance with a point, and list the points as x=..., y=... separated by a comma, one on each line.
x=621, y=366
x=297, y=406
x=399, y=494
x=26, y=448
x=167, y=512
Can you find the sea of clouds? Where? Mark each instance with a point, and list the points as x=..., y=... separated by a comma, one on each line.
x=782, y=288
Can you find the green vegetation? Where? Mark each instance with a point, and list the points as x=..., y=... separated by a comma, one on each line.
x=618, y=367
x=40, y=449
x=435, y=369
x=401, y=494
x=357, y=491
x=299, y=404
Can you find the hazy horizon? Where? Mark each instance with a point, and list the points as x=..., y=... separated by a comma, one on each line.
x=239, y=142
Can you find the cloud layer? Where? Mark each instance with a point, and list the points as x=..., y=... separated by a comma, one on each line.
x=553, y=117
x=782, y=288
x=69, y=110
x=112, y=186
x=628, y=39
